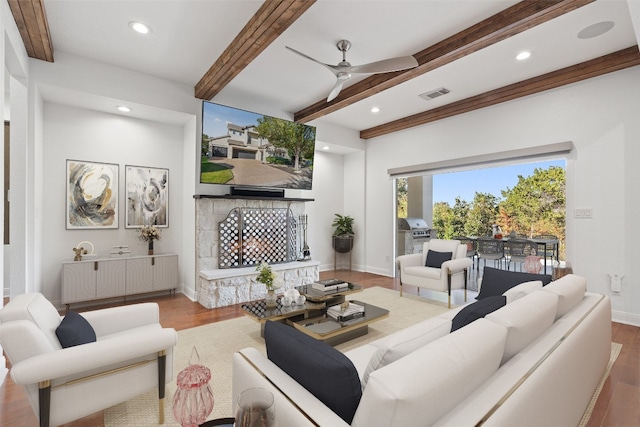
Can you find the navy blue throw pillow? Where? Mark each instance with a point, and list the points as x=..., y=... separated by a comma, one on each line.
x=321, y=369
x=477, y=310
x=496, y=281
x=74, y=330
x=435, y=258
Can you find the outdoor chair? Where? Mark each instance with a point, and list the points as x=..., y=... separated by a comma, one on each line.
x=547, y=251
x=471, y=247
x=490, y=249
x=517, y=250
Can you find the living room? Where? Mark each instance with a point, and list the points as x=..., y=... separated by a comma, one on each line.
x=54, y=114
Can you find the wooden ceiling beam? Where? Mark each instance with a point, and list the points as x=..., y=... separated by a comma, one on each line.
x=622, y=59
x=511, y=21
x=31, y=20
x=271, y=20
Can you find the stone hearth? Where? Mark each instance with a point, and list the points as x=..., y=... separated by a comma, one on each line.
x=219, y=288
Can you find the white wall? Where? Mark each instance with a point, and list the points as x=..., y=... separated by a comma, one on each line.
x=80, y=134
x=328, y=195
x=15, y=60
x=600, y=117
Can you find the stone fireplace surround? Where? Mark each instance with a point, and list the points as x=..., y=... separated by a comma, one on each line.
x=222, y=287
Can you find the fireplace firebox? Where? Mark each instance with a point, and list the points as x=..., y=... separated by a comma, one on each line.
x=249, y=236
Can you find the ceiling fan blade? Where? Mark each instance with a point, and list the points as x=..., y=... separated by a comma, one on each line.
x=336, y=90
x=386, y=65
x=331, y=68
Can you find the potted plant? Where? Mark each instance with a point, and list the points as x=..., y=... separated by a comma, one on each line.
x=268, y=278
x=343, y=233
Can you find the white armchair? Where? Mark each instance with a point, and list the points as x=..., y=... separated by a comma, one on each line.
x=452, y=274
x=131, y=355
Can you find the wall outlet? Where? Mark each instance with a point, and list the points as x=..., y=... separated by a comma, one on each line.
x=616, y=282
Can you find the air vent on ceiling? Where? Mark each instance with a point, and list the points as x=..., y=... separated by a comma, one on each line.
x=432, y=94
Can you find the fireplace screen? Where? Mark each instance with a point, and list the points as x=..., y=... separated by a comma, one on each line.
x=249, y=236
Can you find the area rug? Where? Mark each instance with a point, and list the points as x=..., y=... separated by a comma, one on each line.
x=217, y=342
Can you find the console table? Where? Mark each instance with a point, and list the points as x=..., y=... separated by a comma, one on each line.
x=100, y=278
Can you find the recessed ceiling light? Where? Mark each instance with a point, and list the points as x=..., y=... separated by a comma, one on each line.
x=375, y=110
x=139, y=27
x=326, y=147
x=523, y=55
x=124, y=109
x=596, y=30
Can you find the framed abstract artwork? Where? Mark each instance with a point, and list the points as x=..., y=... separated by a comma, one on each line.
x=147, y=196
x=92, y=195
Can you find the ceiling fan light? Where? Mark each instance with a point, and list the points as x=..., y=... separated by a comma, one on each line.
x=523, y=55
x=375, y=110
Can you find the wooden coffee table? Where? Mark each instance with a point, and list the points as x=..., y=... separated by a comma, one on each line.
x=311, y=317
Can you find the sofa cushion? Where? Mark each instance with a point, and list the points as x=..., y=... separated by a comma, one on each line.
x=325, y=372
x=525, y=319
x=522, y=290
x=497, y=282
x=405, y=341
x=428, y=383
x=74, y=330
x=570, y=290
x=477, y=310
x=435, y=258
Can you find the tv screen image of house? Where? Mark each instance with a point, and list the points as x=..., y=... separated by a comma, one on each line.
x=241, y=148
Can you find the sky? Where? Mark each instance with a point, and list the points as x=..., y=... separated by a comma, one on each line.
x=215, y=118
x=448, y=186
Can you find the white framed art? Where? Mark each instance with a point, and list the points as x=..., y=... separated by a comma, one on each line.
x=146, y=196
x=92, y=195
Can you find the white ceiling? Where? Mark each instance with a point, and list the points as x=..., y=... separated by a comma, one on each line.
x=189, y=35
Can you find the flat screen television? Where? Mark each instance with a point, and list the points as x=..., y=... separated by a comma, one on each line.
x=250, y=150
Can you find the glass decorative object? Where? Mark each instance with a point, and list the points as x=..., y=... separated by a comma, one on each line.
x=150, y=247
x=532, y=264
x=255, y=408
x=271, y=300
x=193, y=400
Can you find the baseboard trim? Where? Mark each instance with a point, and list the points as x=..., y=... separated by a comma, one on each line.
x=626, y=318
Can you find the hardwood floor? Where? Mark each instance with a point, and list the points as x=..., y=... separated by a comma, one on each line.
x=618, y=404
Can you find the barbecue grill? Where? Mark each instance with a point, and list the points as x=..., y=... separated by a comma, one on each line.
x=412, y=233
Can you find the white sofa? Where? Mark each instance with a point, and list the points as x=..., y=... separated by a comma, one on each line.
x=536, y=361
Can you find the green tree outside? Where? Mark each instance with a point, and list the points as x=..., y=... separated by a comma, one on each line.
x=536, y=205
x=401, y=197
x=296, y=138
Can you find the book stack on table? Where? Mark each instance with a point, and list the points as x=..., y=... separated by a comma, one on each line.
x=342, y=314
x=329, y=285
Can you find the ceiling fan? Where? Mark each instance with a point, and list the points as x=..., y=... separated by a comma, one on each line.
x=343, y=70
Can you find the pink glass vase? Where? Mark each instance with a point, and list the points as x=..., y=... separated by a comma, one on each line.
x=193, y=400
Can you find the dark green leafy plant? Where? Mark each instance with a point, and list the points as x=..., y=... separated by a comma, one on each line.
x=343, y=225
